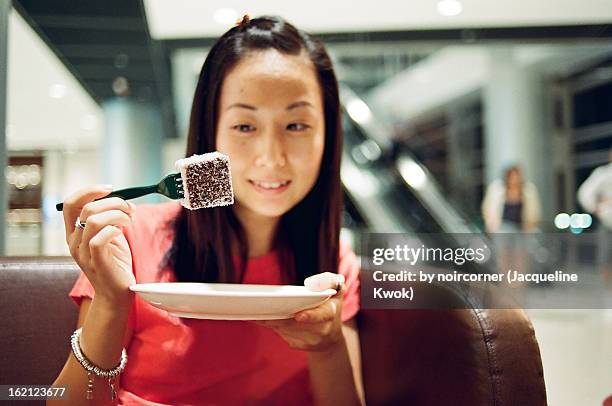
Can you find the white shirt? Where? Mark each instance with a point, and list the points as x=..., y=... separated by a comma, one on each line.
x=595, y=194
x=495, y=198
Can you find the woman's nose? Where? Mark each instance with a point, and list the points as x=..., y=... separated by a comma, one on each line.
x=271, y=152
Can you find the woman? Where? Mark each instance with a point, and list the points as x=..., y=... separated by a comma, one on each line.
x=267, y=97
x=511, y=205
x=511, y=208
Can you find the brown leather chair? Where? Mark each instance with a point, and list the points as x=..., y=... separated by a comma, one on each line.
x=466, y=357
x=36, y=318
x=450, y=357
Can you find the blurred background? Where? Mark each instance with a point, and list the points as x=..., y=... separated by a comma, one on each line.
x=439, y=98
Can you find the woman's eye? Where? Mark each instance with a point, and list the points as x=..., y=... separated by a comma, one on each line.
x=298, y=127
x=244, y=128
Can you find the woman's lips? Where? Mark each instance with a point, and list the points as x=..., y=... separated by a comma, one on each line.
x=270, y=187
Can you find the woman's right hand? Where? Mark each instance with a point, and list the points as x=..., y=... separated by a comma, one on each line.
x=100, y=249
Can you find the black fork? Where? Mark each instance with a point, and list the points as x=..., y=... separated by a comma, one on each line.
x=171, y=186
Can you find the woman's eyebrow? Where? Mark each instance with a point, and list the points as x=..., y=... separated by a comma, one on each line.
x=301, y=103
x=292, y=106
x=242, y=106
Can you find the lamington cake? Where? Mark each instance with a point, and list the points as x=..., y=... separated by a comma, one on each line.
x=207, y=180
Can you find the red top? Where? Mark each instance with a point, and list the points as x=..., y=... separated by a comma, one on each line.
x=176, y=361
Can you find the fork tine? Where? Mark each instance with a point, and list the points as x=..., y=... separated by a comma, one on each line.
x=179, y=187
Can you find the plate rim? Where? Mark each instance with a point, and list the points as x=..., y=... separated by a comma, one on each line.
x=230, y=317
x=137, y=288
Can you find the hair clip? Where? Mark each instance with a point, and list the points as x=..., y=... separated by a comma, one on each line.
x=241, y=23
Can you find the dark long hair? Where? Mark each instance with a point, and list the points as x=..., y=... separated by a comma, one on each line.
x=202, y=248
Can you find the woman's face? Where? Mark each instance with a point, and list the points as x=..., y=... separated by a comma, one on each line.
x=515, y=178
x=271, y=124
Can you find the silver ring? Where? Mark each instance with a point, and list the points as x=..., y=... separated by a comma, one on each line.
x=79, y=224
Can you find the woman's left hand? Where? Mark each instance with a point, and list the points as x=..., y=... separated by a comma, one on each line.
x=319, y=328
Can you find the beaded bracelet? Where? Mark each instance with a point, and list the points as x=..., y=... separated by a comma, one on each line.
x=91, y=368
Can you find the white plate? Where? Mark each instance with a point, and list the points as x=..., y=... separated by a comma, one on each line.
x=222, y=301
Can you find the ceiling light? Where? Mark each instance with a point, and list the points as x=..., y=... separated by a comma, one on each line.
x=412, y=173
x=370, y=150
x=580, y=220
x=57, y=91
x=33, y=175
x=358, y=110
x=225, y=16
x=121, y=86
x=359, y=182
x=575, y=221
x=562, y=221
x=449, y=8
x=586, y=220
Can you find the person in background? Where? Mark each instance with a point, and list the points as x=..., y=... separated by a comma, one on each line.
x=510, y=208
x=511, y=205
x=595, y=196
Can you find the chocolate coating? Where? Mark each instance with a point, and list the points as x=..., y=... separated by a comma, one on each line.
x=209, y=183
